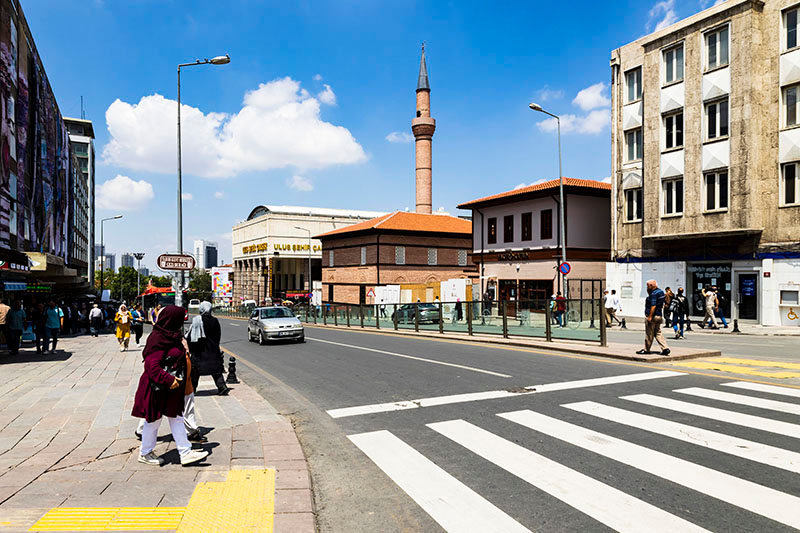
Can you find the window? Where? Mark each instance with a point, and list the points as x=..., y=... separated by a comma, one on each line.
x=717, y=48
x=546, y=224
x=673, y=130
x=508, y=228
x=633, y=205
x=790, y=186
x=790, y=24
x=717, y=119
x=633, y=141
x=462, y=258
x=633, y=80
x=716, y=191
x=527, y=229
x=330, y=258
x=399, y=255
x=363, y=255
x=433, y=256
x=492, y=230
x=673, y=64
x=673, y=196
x=790, y=105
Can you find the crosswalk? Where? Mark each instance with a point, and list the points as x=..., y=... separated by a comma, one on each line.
x=456, y=507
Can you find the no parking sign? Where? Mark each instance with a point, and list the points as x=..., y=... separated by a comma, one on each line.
x=564, y=268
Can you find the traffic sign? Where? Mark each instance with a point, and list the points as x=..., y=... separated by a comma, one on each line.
x=564, y=268
x=371, y=292
x=175, y=262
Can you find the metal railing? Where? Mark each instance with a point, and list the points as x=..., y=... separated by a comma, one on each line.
x=570, y=319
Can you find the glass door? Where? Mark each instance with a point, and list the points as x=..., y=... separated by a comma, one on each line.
x=747, y=296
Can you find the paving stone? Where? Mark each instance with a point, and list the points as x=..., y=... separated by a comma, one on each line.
x=293, y=500
x=294, y=523
x=292, y=479
x=283, y=452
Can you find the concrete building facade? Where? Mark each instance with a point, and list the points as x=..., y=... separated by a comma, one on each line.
x=705, y=155
x=81, y=138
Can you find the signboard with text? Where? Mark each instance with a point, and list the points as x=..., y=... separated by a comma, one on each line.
x=175, y=262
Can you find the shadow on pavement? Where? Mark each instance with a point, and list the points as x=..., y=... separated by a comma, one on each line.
x=29, y=355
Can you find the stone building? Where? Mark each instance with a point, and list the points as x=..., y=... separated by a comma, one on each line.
x=705, y=160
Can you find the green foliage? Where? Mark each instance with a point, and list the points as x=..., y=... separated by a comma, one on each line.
x=200, y=281
x=160, y=281
x=122, y=283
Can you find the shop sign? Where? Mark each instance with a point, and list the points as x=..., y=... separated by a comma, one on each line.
x=514, y=256
x=12, y=286
x=9, y=265
x=279, y=247
x=253, y=248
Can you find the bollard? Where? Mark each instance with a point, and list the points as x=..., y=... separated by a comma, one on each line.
x=736, y=326
x=232, y=370
x=623, y=325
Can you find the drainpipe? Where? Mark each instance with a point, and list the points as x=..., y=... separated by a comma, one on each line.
x=379, y=258
x=615, y=89
x=480, y=274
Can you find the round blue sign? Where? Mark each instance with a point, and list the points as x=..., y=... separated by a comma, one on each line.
x=564, y=268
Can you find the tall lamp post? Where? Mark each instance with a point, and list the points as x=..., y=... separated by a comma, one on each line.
x=219, y=60
x=309, y=256
x=139, y=256
x=103, y=255
x=563, y=238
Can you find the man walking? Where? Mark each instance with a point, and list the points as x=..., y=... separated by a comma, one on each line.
x=654, y=315
x=4, y=309
x=710, y=298
x=54, y=321
x=612, y=304
x=680, y=310
x=718, y=310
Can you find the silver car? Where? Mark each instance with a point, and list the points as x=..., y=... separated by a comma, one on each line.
x=274, y=323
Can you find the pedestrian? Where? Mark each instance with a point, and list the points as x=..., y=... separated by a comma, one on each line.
x=154, y=311
x=617, y=305
x=15, y=324
x=75, y=323
x=719, y=309
x=38, y=321
x=610, y=308
x=4, y=309
x=653, y=312
x=53, y=322
x=204, y=338
x=679, y=308
x=459, y=309
x=667, y=301
x=561, y=309
x=95, y=320
x=137, y=323
x=710, y=300
x=123, y=320
x=161, y=388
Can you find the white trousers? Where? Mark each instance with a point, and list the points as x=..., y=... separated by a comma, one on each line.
x=150, y=433
x=189, y=420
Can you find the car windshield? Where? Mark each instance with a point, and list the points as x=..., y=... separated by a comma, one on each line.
x=276, y=312
x=426, y=306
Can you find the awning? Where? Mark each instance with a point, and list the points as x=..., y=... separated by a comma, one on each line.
x=14, y=286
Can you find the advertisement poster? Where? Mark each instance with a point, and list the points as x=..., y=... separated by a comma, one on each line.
x=222, y=285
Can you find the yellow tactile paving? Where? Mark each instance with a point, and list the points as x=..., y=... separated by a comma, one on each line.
x=758, y=362
x=245, y=501
x=733, y=369
x=110, y=519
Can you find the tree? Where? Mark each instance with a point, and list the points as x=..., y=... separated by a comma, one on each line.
x=200, y=281
x=124, y=284
x=159, y=281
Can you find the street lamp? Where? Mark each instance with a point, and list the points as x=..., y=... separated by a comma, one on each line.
x=103, y=254
x=139, y=256
x=218, y=60
x=537, y=107
x=309, y=256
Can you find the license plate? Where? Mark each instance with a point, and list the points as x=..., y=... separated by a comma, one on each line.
x=285, y=333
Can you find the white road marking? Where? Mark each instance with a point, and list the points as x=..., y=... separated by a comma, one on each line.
x=753, y=497
x=731, y=417
x=449, y=502
x=235, y=325
x=753, y=451
x=604, y=503
x=784, y=391
x=495, y=394
x=414, y=357
x=773, y=405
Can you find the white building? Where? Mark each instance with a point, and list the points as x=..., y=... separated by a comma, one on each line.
x=81, y=136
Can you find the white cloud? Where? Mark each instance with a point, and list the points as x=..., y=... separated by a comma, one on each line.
x=662, y=15
x=537, y=182
x=399, y=137
x=186, y=196
x=219, y=194
x=123, y=194
x=595, y=122
x=299, y=183
x=607, y=179
x=317, y=77
x=592, y=97
x=327, y=96
x=704, y=4
x=546, y=93
x=279, y=125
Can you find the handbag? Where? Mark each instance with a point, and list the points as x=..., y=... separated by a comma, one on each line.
x=167, y=365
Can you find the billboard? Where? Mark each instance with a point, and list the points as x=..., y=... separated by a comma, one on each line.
x=222, y=284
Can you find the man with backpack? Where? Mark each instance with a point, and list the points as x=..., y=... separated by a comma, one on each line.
x=679, y=309
x=654, y=315
x=718, y=310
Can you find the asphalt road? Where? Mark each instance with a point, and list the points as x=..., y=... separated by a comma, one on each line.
x=398, y=439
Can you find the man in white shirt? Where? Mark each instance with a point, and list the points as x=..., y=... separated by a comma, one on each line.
x=612, y=306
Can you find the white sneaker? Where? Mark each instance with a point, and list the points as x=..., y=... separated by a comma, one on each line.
x=151, y=459
x=194, y=456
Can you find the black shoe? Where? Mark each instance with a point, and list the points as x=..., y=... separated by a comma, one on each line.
x=196, y=436
x=138, y=435
x=643, y=352
x=224, y=392
x=702, y=326
x=665, y=351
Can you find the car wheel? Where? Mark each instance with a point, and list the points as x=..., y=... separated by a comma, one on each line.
x=249, y=335
x=261, y=339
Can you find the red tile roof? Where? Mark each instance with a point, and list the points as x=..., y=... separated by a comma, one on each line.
x=552, y=184
x=411, y=222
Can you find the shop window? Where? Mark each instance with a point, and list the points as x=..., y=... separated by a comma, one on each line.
x=716, y=191
x=546, y=224
x=433, y=256
x=508, y=228
x=527, y=223
x=399, y=255
x=462, y=257
x=717, y=119
x=717, y=48
x=673, y=196
x=363, y=255
x=790, y=185
x=491, y=230
x=673, y=130
x=634, y=210
x=633, y=81
x=673, y=64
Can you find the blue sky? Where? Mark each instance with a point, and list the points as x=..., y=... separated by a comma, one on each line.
x=302, y=113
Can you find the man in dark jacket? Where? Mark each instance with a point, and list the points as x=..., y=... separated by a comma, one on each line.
x=204, y=337
x=654, y=315
x=679, y=307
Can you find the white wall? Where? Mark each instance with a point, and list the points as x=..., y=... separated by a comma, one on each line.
x=630, y=282
x=535, y=206
x=784, y=275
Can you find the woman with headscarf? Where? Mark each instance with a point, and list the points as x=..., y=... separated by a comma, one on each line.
x=123, y=319
x=207, y=359
x=162, y=387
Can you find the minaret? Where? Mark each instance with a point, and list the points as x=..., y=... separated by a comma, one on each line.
x=423, y=127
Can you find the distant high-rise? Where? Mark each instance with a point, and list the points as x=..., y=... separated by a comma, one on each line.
x=144, y=271
x=206, y=253
x=81, y=138
x=108, y=262
x=127, y=260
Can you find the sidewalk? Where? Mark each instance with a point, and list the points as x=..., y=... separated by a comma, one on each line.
x=637, y=324
x=68, y=452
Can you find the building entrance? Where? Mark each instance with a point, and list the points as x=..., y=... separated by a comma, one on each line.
x=710, y=275
x=747, y=295
x=508, y=295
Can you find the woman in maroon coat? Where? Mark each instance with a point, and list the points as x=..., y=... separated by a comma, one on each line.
x=164, y=350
